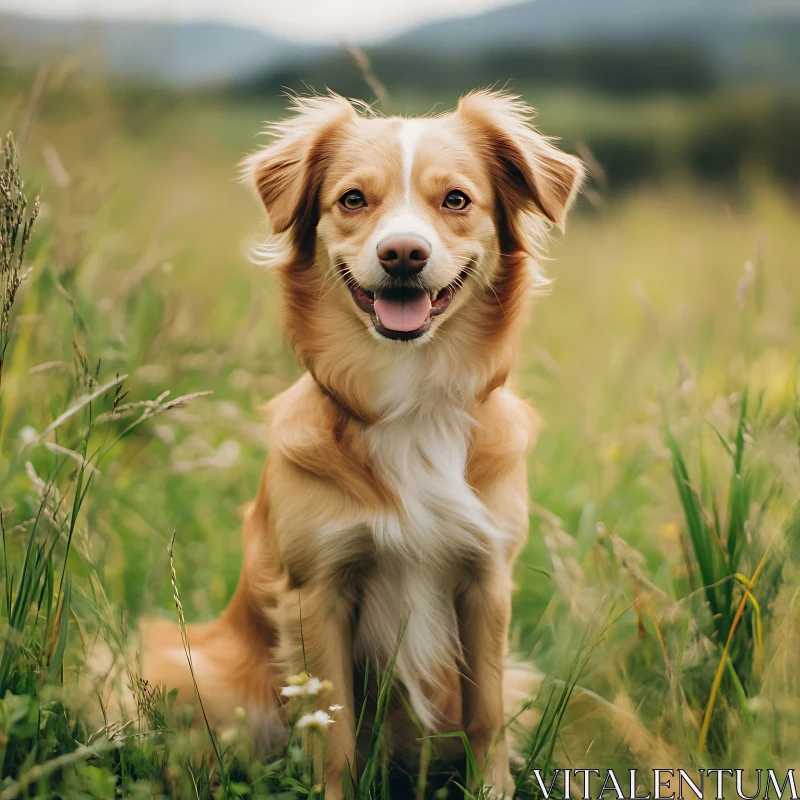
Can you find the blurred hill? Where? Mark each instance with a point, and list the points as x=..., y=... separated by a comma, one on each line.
x=537, y=21
x=743, y=40
x=185, y=55
x=729, y=40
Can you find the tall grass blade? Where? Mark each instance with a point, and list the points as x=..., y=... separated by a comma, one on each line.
x=701, y=743
x=60, y=642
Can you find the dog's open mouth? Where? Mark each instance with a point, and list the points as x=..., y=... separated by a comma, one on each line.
x=402, y=312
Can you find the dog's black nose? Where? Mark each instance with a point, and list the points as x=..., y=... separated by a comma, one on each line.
x=403, y=256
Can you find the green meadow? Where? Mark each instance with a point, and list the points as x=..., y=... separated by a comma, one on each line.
x=658, y=598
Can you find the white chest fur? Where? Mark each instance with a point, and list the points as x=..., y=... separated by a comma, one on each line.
x=408, y=603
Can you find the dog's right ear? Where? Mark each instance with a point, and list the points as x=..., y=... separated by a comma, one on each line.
x=530, y=171
x=288, y=172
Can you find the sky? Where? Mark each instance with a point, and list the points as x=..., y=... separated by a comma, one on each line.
x=301, y=20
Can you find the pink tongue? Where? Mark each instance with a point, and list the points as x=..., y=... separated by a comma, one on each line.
x=407, y=314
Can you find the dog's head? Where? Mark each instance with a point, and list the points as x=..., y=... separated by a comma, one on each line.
x=408, y=228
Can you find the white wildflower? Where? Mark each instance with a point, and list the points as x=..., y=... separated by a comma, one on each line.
x=316, y=721
x=309, y=689
x=305, y=685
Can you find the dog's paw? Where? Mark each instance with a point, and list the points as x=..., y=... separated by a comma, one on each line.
x=499, y=785
x=498, y=793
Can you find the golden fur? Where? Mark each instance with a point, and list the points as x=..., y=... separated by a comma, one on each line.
x=394, y=499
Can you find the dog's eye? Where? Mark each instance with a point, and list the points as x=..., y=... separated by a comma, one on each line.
x=352, y=200
x=456, y=201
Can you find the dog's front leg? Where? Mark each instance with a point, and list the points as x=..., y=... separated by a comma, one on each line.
x=484, y=612
x=317, y=637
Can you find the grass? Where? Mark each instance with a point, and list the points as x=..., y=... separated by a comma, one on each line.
x=658, y=595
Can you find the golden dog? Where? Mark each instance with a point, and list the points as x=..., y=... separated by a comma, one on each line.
x=394, y=499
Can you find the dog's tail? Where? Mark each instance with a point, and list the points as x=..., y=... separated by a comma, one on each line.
x=227, y=664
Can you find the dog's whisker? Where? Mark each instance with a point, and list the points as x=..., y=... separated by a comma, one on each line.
x=332, y=270
x=349, y=281
x=337, y=267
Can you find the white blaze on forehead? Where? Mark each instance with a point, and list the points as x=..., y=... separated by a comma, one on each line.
x=411, y=131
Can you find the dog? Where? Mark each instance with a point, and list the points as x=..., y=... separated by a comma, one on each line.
x=394, y=500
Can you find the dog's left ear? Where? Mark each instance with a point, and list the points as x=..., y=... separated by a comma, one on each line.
x=288, y=172
x=529, y=170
